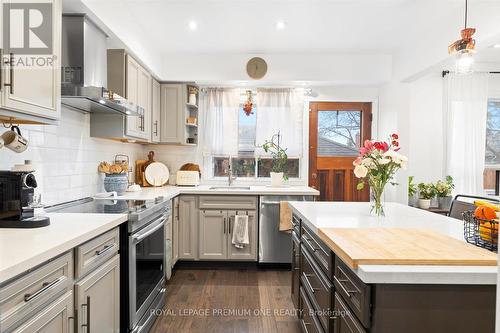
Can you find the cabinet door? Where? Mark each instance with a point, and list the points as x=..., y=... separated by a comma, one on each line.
x=249, y=252
x=175, y=231
x=144, y=100
x=57, y=317
x=156, y=112
x=33, y=85
x=172, y=113
x=188, y=227
x=98, y=299
x=133, y=122
x=213, y=230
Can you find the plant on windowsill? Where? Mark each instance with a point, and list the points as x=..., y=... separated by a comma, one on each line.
x=279, y=159
x=443, y=191
x=425, y=193
x=412, y=192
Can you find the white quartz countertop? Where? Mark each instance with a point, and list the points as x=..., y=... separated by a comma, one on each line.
x=169, y=191
x=23, y=249
x=318, y=215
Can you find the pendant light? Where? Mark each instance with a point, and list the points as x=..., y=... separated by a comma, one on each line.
x=464, y=48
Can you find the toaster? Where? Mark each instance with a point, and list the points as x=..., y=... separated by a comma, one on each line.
x=188, y=178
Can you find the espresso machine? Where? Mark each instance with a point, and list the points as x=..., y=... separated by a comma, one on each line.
x=17, y=201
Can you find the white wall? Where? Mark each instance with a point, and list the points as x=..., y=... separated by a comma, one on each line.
x=66, y=157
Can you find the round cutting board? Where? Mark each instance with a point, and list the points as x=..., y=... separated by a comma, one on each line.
x=157, y=174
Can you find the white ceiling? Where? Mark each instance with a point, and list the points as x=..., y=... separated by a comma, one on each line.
x=392, y=27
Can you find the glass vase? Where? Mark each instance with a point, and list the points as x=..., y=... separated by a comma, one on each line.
x=377, y=201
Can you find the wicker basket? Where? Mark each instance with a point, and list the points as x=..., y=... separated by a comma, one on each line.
x=482, y=233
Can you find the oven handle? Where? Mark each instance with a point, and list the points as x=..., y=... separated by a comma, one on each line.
x=140, y=236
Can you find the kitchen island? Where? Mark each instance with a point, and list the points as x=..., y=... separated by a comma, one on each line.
x=346, y=278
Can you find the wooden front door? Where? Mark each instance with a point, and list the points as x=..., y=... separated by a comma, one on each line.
x=336, y=131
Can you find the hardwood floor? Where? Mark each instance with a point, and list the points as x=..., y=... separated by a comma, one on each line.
x=228, y=300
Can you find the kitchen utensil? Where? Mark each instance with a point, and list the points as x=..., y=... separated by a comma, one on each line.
x=14, y=140
x=157, y=174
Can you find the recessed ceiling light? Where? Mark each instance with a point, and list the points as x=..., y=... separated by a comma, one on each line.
x=193, y=25
x=496, y=46
x=280, y=25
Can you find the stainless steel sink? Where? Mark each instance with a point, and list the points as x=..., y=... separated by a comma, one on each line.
x=230, y=188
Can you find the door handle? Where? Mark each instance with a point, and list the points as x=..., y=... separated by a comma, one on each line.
x=11, y=72
x=314, y=175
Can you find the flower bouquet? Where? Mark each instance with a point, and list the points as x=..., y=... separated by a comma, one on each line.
x=377, y=163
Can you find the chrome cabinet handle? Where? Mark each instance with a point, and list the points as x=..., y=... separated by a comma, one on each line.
x=45, y=286
x=309, y=282
x=230, y=217
x=87, y=306
x=11, y=71
x=156, y=127
x=224, y=225
x=349, y=293
x=310, y=244
x=104, y=249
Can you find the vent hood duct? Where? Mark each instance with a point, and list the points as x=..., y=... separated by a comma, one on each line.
x=84, y=69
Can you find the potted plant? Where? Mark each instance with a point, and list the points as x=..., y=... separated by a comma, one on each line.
x=425, y=194
x=378, y=162
x=443, y=191
x=279, y=160
x=116, y=179
x=412, y=192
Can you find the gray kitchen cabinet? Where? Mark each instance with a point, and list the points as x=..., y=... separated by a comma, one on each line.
x=248, y=252
x=155, y=111
x=57, y=317
x=175, y=111
x=213, y=231
x=175, y=231
x=32, y=94
x=188, y=227
x=98, y=299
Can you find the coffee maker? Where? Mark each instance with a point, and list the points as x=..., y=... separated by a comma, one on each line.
x=16, y=201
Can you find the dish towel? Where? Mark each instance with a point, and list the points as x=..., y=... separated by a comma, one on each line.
x=240, y=232
x=285, y=217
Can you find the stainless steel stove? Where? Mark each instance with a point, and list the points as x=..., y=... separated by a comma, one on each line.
x=142, y=254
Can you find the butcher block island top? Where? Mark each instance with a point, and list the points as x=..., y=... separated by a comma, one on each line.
x=397, y=246
x=408, y=245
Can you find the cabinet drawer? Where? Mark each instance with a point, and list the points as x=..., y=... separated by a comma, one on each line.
x=296, y=224
x=31, y=292
x=95, y=252
x=319, y=289
x=319, y=251
x=228, y=202
x=345, y=322
x=308, y=322
x=354, y=291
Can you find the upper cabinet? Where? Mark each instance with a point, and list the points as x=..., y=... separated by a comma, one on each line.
x=179, y=114
x=129, y=79
x=30, y=68
x=156, y=111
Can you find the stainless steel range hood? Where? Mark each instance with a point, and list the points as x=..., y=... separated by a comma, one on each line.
x=84, y=70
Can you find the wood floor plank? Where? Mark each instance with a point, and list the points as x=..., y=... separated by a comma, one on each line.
x=220, y=300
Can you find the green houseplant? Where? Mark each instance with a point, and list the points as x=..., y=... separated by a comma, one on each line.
x=425, y=193
x=279, y=159
x=412, y=192
x=443, y=189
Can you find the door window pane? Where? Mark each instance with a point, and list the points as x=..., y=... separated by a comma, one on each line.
x=339, y=133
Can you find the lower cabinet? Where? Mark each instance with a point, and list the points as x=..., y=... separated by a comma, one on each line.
x=57, y=317
x=346, y=323
x=188, y=227
x=98, y=299
x=216, y=229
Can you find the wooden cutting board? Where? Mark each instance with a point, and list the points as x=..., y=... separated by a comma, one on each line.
x=398, y=246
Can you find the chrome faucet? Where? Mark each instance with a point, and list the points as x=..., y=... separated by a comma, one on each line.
x=230, y=177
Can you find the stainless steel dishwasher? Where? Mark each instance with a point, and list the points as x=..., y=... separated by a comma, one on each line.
x=275, y=246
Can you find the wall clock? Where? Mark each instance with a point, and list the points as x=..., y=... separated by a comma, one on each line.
x=256, y=68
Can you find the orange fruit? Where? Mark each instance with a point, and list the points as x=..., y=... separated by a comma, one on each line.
x=485, y=213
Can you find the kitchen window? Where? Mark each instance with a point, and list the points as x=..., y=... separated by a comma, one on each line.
x=247, y=164
x=492, y=152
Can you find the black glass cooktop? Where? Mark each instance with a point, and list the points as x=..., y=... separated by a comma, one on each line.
x=103, y=206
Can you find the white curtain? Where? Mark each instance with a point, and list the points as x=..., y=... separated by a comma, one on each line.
x=280, y=110
x=220, y=114
x=465, y=126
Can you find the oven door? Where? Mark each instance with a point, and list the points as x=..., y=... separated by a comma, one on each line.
x=146, y=267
